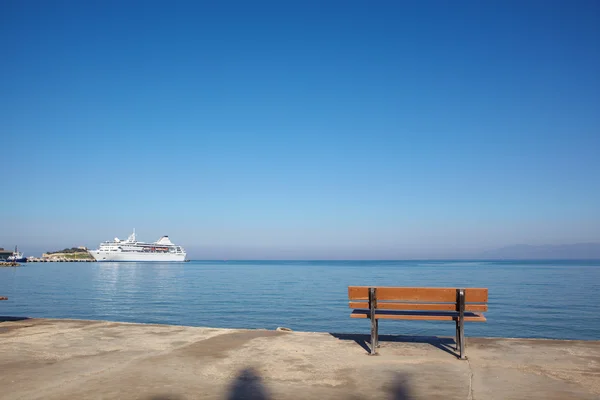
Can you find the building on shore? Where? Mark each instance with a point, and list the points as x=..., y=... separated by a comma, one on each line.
x=4, y=254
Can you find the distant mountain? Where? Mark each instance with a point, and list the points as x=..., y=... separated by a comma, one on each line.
x=561, y=251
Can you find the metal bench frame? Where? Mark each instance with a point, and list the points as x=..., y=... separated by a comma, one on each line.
x=458, y=315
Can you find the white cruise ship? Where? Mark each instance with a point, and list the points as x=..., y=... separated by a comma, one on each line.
x=132, y=250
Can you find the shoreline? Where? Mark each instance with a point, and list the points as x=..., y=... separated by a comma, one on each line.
x=285, y=329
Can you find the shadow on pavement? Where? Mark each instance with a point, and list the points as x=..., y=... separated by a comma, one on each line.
x=248, y=385
x=400, y=389
x=4, y=318
x=445, y=344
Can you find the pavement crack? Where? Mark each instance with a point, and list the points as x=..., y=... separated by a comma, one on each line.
x=470, y=396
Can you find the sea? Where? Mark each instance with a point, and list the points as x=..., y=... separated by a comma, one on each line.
x=529, y=299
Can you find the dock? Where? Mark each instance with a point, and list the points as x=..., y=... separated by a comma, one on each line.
x=73, y=359
x=59, y=259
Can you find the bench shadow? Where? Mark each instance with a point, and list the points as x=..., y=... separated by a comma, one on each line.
x=4, y=318
x=445, y=344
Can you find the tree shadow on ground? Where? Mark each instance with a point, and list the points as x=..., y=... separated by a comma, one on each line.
x=248, y=385
x=445, y=344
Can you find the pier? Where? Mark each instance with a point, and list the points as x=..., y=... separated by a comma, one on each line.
x=72, y=359
x=59, y=259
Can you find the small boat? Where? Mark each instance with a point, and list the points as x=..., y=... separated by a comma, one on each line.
x=16, y=256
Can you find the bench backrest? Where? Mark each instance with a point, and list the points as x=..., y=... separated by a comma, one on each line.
x=418, y=298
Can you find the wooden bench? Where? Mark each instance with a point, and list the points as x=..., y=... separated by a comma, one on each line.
x=422, y=304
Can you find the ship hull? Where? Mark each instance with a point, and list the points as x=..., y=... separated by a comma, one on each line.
x=114, y=256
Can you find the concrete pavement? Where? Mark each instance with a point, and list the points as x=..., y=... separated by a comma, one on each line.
x=69, y=359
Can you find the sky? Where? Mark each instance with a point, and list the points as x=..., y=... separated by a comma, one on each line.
x=300, y=129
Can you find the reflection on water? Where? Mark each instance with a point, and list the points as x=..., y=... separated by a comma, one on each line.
x=123, y=288
x=106, y=278
x=527, y=299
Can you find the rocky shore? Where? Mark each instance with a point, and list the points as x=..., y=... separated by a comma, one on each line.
x=9, y=264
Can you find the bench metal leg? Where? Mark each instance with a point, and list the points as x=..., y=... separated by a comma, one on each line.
x=461, y=332
x=374, y=322
x=373, y=337
x=457, y=340
x=461, y=324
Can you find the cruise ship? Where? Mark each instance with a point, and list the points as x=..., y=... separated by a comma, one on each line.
x=132, y=250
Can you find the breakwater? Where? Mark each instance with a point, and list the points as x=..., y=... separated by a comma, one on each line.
x=58, y=259
x=9, y=264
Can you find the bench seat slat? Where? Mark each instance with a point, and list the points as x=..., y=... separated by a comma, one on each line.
x=3, y=298
x=472, y=295
x=418, y=315
x=418, y=306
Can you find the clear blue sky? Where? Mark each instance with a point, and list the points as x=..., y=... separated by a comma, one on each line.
x=300, y=129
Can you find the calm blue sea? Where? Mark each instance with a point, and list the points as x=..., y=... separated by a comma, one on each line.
x=542, y=299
